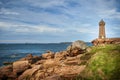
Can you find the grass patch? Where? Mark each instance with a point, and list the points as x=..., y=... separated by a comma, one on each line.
x=104, y=63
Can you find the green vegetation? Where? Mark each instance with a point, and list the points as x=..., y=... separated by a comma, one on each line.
x=103, y=63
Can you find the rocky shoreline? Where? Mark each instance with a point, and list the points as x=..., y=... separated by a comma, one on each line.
x=77, y=62
x=49, y=66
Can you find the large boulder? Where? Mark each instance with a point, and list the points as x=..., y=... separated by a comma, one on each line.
x=20, y=66
x=76, y=48
x=29, y=73
x=48, y=55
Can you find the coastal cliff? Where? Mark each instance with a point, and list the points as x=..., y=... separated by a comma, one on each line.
x=77, y=62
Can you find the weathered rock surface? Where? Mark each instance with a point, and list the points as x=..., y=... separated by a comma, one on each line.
x=31, y=59
x=7, y=73
x=20, y=66
x=72, y=60
x=54, y=77
x=61, y=55
x=66, y=70
x=29, y=72
x=48, y=55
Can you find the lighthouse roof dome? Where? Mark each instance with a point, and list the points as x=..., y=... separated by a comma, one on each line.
x=102, y=22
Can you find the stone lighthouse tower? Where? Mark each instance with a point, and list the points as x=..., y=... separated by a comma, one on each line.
x=102, y=30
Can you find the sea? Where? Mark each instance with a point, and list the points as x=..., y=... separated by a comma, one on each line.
x=13, y=52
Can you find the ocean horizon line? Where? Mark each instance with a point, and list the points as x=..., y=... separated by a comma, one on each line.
x=42, y=43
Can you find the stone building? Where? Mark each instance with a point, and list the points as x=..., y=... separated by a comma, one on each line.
x=102, y=36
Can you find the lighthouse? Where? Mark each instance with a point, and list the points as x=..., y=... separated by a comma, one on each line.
x=102, y=30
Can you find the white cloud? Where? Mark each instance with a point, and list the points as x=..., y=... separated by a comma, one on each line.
x=116, y=28
x=4, y=25
x=84, y=11
x=4, y=11
x=19, y=41
x=38, y=29
x=26, y=28
x=0, y=3
x=48, y=29
x=87, y=30
x=45, y=3
x=112, y=13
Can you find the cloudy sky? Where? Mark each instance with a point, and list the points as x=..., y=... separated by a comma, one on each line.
x=51, y=21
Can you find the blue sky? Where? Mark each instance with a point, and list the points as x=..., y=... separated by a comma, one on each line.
x=51, y=21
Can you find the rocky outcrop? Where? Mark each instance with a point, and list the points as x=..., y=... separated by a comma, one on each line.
x=106, y=41
x=77, y=44
x=77, y=47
